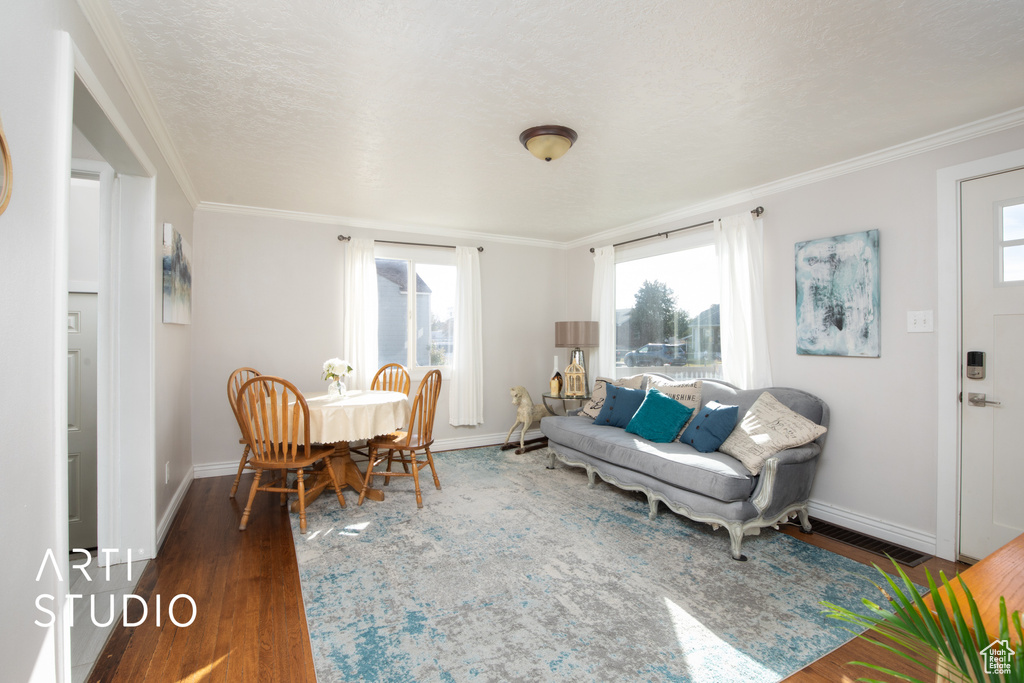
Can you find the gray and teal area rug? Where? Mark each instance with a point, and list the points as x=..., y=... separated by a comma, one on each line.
x=514, y=572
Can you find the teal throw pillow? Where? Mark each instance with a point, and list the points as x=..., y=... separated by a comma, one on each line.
x=711, y=426
x=620, y=405
x=660, y=418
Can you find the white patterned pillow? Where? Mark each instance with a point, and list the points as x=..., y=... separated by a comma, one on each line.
x=767, y=428
x=631, y=382
x=593, y=408
x=686, y=392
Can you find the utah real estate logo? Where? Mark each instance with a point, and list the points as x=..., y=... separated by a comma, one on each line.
x=997, y=657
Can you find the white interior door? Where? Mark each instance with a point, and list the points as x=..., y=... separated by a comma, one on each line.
x=82, y=516
x=992, y=452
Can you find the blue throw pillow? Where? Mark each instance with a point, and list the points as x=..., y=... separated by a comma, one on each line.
x=660, y=418
x=710, y=426
x=620, y=405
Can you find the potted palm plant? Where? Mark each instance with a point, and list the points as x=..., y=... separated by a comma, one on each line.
x=940, y=634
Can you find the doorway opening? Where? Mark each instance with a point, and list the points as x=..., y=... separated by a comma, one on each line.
x=83, y=291
x=111, y=280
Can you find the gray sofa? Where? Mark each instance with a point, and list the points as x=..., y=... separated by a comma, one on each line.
x=705, y=487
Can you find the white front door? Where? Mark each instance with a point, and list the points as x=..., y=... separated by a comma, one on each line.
x=992, y=450
x=82, y=516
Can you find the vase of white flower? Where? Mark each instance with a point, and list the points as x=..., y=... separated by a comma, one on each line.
x=334, y=370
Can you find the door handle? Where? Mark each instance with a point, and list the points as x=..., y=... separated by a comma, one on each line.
x=980, y=401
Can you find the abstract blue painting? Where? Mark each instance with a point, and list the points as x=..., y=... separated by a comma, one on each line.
x=838, y=296
x=177, y=283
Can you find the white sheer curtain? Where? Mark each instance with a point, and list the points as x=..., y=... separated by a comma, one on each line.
x=466, y=391
x=602, y=309
x=739, y=244
x=359, y=338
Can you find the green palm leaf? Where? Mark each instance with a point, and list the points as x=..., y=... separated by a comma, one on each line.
x=919, y=634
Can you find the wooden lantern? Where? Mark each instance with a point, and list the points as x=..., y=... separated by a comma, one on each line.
x=575, y=381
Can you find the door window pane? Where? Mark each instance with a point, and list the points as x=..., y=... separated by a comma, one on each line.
x=1013, y=263
x=1013, y=222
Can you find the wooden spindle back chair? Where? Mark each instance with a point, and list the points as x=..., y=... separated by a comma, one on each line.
x=403, y=446
x=392, y=377
x=235, y=382
x=275, y=419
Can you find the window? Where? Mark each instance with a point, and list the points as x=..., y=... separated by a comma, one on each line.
x=667, y=308
x=1011, y=242
x=416, y=307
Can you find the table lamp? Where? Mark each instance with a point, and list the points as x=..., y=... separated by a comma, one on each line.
x=575, y=335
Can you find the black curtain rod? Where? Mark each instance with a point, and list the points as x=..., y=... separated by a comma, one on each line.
x=342, y=238
x=757, y=212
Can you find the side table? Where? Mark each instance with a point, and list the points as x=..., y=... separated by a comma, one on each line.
x=560, y=401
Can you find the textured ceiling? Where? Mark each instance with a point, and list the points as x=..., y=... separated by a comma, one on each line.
x=410, y=112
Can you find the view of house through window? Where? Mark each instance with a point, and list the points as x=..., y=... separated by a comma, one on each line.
x=416, y=309
x=666, y=314
x=1011, y=244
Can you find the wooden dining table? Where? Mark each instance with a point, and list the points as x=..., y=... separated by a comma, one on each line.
x=351, y=416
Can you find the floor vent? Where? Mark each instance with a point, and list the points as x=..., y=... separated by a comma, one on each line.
x=905, y=556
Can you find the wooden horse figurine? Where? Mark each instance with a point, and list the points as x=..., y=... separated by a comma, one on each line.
x=526, y=414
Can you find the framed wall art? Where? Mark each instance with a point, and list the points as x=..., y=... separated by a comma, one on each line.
x=177, y=277
x=838, y=296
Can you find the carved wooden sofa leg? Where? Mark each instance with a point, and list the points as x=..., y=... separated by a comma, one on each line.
x=805, y=523
x=735, y=540
x=652, y=503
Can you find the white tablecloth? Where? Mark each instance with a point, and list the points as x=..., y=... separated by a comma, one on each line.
x=356, y=415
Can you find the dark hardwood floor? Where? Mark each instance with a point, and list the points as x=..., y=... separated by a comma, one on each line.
x=250, y=624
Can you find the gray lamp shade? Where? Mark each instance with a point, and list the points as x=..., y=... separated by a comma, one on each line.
x=570, y=335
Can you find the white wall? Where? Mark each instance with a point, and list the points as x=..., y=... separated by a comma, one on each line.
x=30, y=286
x=878, y=471
x=35, y=97
x=268, y=294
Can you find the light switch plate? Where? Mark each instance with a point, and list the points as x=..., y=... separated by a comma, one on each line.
x=920, y=321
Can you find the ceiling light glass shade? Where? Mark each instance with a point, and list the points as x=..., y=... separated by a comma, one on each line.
x=548, y=142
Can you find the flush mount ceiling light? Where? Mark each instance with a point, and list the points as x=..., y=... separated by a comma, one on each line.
x=548, y=142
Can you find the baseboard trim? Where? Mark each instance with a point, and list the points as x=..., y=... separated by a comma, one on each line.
x=215, y=469
x=172, y=510
x=230, y=467
x=878, y=528
x=479, y=440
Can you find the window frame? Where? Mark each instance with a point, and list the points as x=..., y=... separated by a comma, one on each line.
x=416, y=255
x=686, y=240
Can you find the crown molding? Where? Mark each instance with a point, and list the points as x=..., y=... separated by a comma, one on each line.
x=108, y=31
x=952, y=136
x=372, y=224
